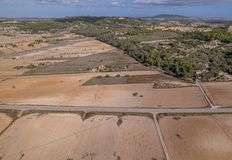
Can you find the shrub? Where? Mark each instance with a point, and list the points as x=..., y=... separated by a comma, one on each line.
x=135, y=94
x=31, y=66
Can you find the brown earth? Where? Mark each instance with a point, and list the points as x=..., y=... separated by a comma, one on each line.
x=4, y=121
x=224, y=121
x=66, y=136
x=69, y=90
x=220, y=93
x=197, y=138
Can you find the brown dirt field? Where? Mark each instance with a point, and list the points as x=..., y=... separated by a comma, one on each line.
x=68, y=90
x=66, y=136
x=195, y=138
x=4, y=121
x=225, y=122
x=220, y=93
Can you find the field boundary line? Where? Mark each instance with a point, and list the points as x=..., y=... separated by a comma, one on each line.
x=161, y=137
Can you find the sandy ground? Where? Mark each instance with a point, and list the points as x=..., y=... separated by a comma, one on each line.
x=197, y=137
x=68, y=90
x=220, y=93
x=66, y=136
x=4, y=121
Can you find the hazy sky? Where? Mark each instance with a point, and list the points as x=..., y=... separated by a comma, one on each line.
x=137, y=8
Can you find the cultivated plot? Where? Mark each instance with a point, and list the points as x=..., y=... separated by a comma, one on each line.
x=66, y=136
x=68, y=90
x=220, y=93
x=198, y=137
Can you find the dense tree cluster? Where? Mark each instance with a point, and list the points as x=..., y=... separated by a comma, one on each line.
x=216, y=34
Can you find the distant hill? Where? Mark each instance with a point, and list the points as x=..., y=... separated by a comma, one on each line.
x=166, y=16
x=170, y=16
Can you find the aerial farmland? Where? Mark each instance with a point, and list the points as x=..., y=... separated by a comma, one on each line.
x=108, y=88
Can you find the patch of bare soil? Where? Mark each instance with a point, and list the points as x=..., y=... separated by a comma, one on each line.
x=195, y=138
x=224, y=121
x=68, y=90
x=220, y=93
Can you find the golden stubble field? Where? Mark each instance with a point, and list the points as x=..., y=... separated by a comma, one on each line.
x=67, y=136
x=67, y=90
x=198, y=137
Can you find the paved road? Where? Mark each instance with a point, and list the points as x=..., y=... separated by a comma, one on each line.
x=110, y=109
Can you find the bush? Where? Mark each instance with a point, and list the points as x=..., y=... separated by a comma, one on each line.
x=31, y=66
x=135, y=94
